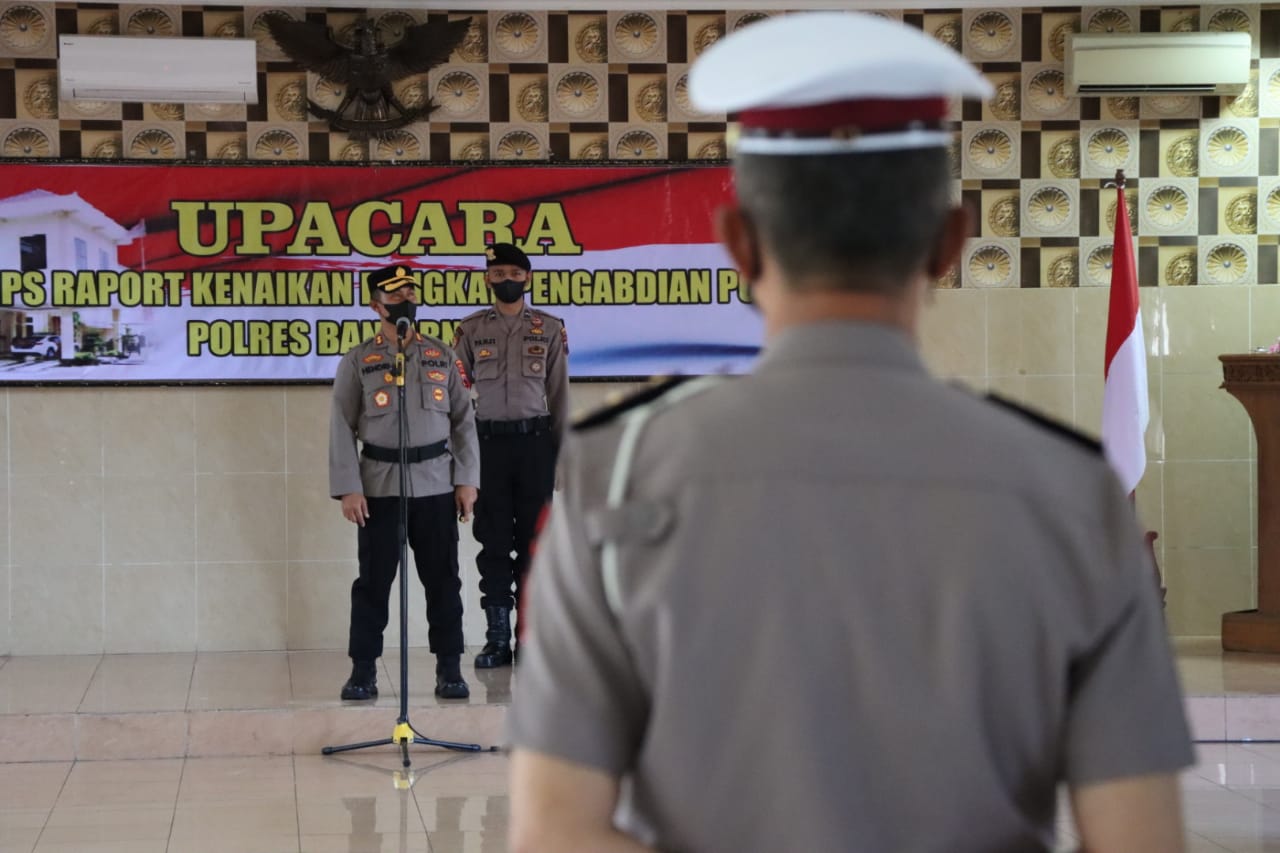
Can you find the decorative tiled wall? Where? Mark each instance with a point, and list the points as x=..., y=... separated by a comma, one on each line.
x=545, y=86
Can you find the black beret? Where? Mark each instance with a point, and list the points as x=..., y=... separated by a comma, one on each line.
x=505, y=253
x=390, y=278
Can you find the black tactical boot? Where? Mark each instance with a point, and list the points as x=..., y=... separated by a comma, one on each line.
x=449, y=681
x=363, y=683
x=497, y=649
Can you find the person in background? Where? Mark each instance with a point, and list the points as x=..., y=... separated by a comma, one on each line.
x=517, y=357
x=442, y=478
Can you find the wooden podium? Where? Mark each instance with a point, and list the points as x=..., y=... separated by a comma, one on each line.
x=1254, y=380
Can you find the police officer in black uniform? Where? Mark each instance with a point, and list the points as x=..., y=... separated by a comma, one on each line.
x=517, y=359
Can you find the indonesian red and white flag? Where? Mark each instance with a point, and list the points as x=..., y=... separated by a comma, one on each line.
x=1124, y=398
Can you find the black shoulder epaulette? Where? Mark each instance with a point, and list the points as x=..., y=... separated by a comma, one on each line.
x=610, y=411
x=1054, y=426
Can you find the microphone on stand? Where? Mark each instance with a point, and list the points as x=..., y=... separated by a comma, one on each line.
x=403, y=325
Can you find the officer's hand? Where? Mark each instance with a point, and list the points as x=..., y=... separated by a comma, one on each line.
x=465, y=498
x=355, y=508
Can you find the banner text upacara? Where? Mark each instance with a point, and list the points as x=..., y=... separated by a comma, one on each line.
x=371, y=228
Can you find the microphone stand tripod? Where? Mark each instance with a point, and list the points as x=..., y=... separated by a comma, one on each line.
x=404, y=733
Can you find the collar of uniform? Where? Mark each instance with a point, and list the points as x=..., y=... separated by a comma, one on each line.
x=842, y=341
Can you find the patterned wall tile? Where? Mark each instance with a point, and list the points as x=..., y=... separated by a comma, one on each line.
x=1110, y=19
x=1050, y=208
x=1044, y=93
x=101, y=144
x=143, y=20
x=1169, y=207
x=991, y=150
x=992, y=35
x=1229, y=147
x=461, y=93
x=1269, y=205
x=1228, y=259
x=1060, y=266
x=637, y=36
x=637, y=141
x=736, y=20
x=518, y=142
x=155, y=140
x=36, y=93
x=1059, y=154
x=990, y=262
x=1106, y=147
x=271, y=140
x=28, y=30
x=578, y=93
x=99, y=21
x=1000, y=213
x=23, y=138
x=518, y=36
x=701, y=31
x=406, y=144
x=1179, y=152
x=1096, y=260
x=1177, y=265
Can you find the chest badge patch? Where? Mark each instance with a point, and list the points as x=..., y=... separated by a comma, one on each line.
x=536, y=330
x=388, y=378
x=436, y=375
x=381, y=399
x=485, y=353
x=537, y=350
x=371, y=358
x=431, y=353
x=536, y=367
x=537, y=321
x=437, y=394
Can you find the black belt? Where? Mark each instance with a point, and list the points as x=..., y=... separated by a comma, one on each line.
x=412, y=454
x=528, y=426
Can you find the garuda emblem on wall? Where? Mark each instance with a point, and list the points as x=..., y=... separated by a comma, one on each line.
x=366, y=71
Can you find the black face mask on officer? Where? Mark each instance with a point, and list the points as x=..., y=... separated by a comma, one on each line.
x=508, y=291
x=395, y=310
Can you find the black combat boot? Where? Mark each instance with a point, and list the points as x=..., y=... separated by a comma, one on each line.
x=497, y=649
x=449, y=681
x=363, y=683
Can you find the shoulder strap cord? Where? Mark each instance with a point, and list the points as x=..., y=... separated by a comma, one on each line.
x=636, y=421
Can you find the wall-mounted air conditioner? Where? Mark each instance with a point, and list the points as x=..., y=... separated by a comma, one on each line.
x=1157, y=63
x=157, y=70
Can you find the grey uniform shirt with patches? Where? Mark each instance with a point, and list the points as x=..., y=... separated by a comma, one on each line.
x=365, y=406
x=519, y=370
x=859, y=611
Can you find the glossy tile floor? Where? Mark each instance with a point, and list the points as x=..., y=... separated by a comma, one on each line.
x=362, y=801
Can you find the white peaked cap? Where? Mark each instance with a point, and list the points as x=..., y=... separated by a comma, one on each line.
x=870, y=70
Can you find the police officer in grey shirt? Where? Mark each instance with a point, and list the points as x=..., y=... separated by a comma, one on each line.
x=444, y=471
x=517, y=358
x=837, y=605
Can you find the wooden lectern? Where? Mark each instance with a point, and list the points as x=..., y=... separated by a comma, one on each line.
x=1254, y=380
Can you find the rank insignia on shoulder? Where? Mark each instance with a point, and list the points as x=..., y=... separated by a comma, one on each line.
x=1055, y=426
x=613, y=409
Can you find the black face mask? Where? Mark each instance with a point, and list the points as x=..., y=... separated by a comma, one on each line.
x=508, y=291
x=396, y=310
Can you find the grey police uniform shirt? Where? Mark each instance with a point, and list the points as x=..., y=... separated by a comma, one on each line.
x=365, y=406
x=858, y=611
x=520, y=370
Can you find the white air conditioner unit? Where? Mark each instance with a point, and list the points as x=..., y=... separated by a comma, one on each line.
x=157, y=70
x=1157, y=63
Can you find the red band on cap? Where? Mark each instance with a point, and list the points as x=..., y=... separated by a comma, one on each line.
x=869, y=115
